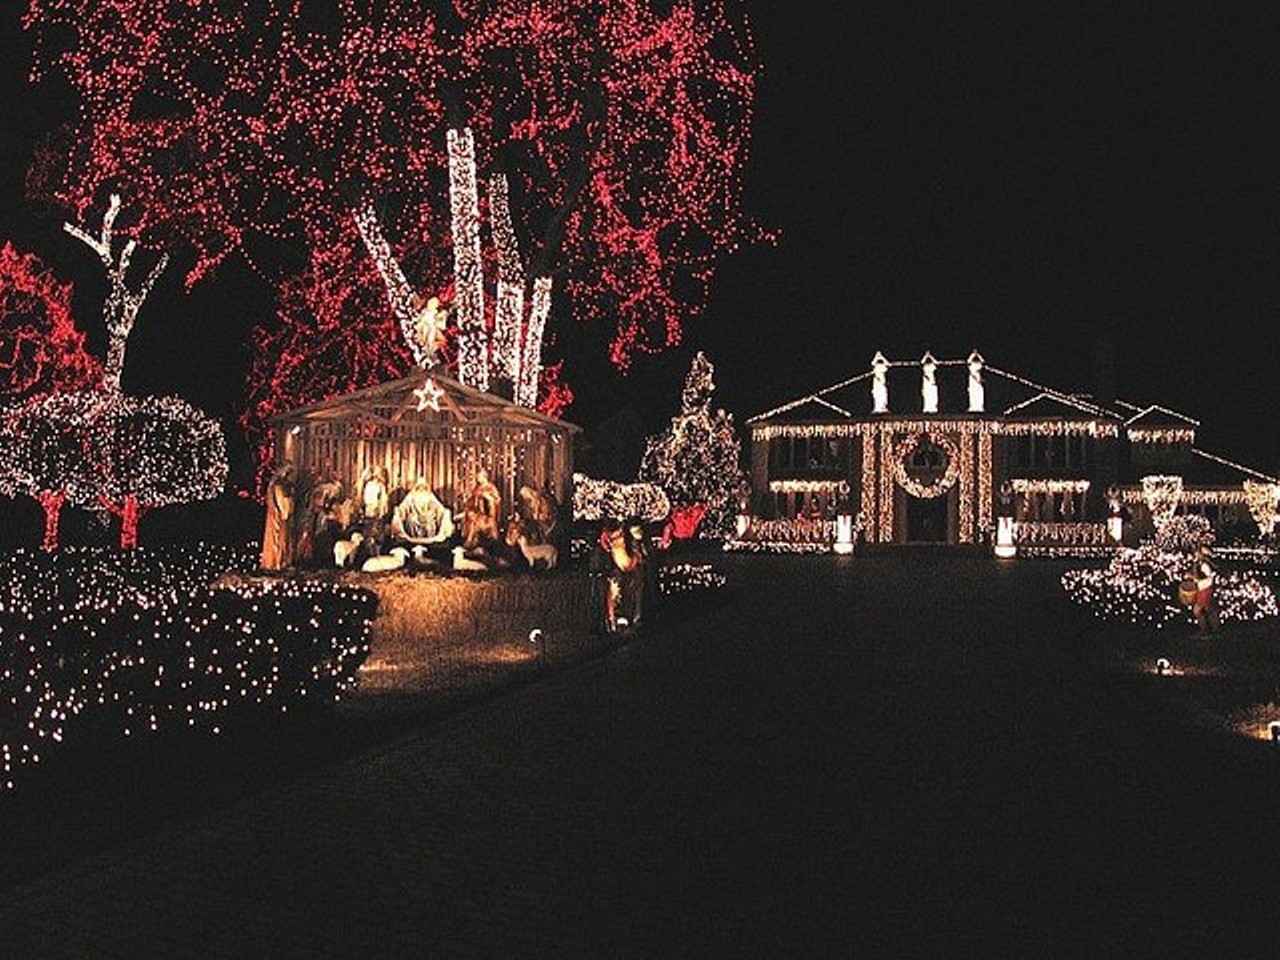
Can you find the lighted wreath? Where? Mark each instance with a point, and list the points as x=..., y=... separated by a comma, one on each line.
x=906, y=450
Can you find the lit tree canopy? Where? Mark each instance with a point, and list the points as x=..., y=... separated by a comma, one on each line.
x=40, y=348
x=623, y=127
x=697, y=460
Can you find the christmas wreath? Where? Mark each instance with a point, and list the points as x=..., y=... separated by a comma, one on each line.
x=902, y=457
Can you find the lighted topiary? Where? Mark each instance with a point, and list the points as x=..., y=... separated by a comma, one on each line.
x=697, y=460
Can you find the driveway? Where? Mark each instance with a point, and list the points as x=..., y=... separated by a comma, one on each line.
x=889, y=755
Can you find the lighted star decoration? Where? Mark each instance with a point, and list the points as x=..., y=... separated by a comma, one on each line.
x=429, y=395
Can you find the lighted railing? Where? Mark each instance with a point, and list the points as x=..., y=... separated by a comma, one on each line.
x=1041, y=533
x=799, y=530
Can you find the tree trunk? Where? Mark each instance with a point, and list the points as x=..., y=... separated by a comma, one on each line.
x=129, y=523
x=52, y=502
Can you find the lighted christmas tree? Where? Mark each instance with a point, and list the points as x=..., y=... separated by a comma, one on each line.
x=697, y=460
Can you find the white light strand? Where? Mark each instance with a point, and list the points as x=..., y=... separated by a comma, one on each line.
x=1050, y=486
x=1263, y=500
x=157, y=647
x=464, y=204
x=509, y=310
x=1092, y=428
x=120, y=310
x=531, y=352
x=951, y=469
x=1193, y=498
x=807, y=486
x=595, y=500
x=1168, y=435
x=1140, y=586
x=1161, y=494
x=399, y=292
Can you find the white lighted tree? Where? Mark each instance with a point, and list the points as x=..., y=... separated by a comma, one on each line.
x=99, y=449
x=122, y=304
x=512, y=351
x=697, y=460
x=42, y=454
x=153, y=452
x=1263, y=499
x=1161, y=494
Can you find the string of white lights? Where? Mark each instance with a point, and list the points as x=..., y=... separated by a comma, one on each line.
x=509, y=311
x=399, y=292
x=120, y=311
x=531, y=354
x=464, y=205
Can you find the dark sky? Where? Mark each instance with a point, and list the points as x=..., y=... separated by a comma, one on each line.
x=1019, y=177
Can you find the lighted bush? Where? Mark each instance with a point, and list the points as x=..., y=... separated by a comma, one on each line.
x=98, y=643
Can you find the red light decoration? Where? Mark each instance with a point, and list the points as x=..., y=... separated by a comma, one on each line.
x=622, y=127
x=51, y=501
x=40, y=348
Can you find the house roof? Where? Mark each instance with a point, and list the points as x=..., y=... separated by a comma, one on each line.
x=1005, y=393
x=391, y=401
x=1158, y=416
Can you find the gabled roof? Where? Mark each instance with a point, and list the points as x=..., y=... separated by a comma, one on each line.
x=1044, y=405
x=459, y=405
x=1158, y=416
x=851, y=398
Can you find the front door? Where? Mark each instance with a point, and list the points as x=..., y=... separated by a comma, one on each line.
x=927, y=519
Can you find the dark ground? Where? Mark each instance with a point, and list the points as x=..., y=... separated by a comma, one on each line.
x=910, y=754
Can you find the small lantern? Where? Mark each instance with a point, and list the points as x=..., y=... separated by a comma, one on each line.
x=1005, y=547
x=844, y=533
x=1162, y=666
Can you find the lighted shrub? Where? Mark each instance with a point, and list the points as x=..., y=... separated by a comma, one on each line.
x=98, y=643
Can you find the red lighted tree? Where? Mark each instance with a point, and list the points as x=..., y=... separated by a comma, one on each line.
x=40, y=348
x=622, y=127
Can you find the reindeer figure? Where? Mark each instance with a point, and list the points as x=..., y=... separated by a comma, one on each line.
x=532, y=552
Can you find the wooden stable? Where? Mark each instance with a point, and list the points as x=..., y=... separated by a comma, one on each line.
x=382, y=426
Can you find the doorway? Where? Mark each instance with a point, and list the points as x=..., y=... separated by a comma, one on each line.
x=927, y=519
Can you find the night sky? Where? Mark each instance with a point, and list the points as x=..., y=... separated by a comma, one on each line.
x=1027, y=179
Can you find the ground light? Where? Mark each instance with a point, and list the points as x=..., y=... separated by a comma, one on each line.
x=1162, y=666
x=844, y=534
x=1274, y=729
x=1005, y=548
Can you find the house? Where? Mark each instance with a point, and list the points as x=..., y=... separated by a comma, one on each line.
x=936, y=451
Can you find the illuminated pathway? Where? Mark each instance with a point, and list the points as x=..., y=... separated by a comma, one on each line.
x=896, y=754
